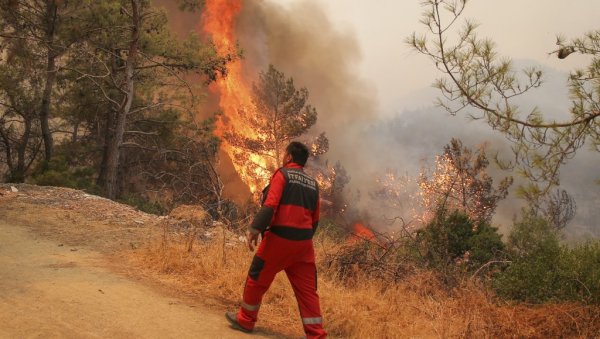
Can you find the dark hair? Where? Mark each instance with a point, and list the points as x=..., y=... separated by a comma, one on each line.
x=298, y=151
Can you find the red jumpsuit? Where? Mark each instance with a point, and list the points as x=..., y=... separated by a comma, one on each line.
x=291, y=210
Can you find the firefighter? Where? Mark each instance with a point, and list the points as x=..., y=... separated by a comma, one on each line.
x=289, y=216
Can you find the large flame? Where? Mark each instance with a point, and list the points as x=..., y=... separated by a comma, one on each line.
x=219, y=19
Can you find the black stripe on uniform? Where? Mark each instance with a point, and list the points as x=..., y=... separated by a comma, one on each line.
x=292, y=233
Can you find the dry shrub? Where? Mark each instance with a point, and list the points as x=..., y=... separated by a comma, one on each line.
x=194, y=214
x=186, y=220
x=418, y=305
x=368, y=259
x=566, y=320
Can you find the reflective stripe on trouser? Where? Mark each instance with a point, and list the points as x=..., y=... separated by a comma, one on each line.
x=250, y=307
x=297, y=260
x=312, y=321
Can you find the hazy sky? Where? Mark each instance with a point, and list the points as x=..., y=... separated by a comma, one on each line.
x=522, y=29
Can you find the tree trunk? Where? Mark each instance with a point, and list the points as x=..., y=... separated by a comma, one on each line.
x=17, y=173
x=107, y=132
x=112, y=163
x=50, y=80
x=8, y=151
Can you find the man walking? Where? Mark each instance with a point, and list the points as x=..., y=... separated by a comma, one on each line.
x=289, y=217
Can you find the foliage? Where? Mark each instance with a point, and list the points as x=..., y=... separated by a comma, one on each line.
x=21, y=84
x=542, y=270
x=63, y=171
x=581, y=267
x=108, y=78
x=38, y=36
x=143, y=204
x=173, y=161
x=533, y=274
x=474, y=76
x=191, y=5
x=486, y=246
x=133, y=73
x=453, y=240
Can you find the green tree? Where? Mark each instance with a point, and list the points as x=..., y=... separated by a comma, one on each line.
x=115, y=88
x=20, y=139
x=33, y=37
x=475, y=76
x=138, y=68
x=177, y=162
x=48, y=30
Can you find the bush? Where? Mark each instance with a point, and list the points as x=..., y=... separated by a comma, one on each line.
x=60, y=172
x=542, y=270
x=534, y=251
x=453, y=239
x=485, y=245
x=143, y=204
x=580, y=272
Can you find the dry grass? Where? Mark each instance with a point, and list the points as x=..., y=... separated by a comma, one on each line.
x=416, y=307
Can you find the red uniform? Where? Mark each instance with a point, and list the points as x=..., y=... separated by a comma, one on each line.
x=290, y=210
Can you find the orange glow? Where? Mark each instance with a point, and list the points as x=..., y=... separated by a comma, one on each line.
x=235, y=95
x=361, y=233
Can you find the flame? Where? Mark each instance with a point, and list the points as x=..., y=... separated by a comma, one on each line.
x=444, y=183
x=361, y=233
x=235, y=95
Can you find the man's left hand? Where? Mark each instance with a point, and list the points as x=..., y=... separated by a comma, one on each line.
x=252, y=239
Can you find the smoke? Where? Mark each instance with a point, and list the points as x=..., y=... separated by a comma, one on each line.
x=300, y=41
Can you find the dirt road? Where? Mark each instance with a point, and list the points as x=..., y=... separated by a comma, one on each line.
x=51, y=290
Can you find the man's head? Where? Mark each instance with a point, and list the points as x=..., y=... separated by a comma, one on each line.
x=296, y=152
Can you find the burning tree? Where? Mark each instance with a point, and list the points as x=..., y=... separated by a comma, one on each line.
x=256, y=123
x=397, y=194
x=279, y=113
x=332, y=181
x=460, y=182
